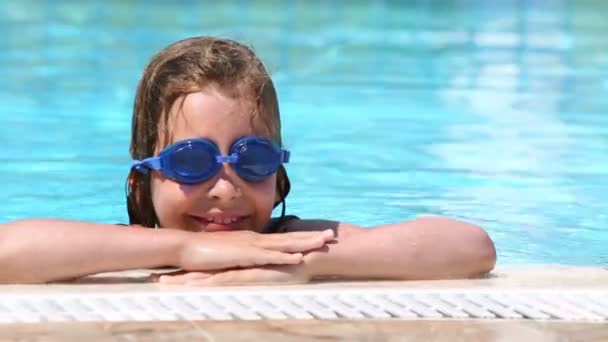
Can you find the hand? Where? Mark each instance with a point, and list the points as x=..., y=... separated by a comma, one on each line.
x=264, y=275
x=293, y=242
x=239, y=249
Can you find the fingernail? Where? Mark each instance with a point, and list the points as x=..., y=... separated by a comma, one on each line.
x=329, y=232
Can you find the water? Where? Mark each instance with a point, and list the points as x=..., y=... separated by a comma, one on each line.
x=492, y=113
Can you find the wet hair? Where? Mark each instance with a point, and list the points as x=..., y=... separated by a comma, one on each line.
x=188, y=66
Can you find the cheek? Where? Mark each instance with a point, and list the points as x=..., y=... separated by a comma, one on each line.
x=261, y=196
x=167, y=199
x=265, y=193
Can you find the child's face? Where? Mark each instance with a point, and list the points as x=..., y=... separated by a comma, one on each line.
x=225, y=197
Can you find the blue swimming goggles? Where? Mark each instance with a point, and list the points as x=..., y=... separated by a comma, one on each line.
x=197, y=160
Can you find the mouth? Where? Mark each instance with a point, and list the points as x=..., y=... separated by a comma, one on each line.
x=219, y=223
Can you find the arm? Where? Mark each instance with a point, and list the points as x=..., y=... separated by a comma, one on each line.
x=41, y=250
x=425, y=248
x=47, y=250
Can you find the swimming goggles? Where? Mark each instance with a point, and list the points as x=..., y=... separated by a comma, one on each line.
x=197, y=160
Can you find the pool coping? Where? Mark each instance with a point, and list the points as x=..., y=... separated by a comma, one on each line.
x=505, y=276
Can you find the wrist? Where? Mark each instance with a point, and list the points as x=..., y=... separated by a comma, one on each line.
x=316, y=264
x=171, y=245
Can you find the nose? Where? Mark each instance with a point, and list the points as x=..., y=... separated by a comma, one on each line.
x=223, y=187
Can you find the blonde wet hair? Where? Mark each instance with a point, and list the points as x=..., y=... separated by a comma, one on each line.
x=188, y=66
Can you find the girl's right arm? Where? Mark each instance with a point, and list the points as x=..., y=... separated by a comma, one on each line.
x=43, y=250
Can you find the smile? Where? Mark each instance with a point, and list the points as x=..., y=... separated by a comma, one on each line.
x=223, y=222
x=220, y=220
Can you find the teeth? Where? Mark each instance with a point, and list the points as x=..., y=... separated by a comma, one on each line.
x=218, y=220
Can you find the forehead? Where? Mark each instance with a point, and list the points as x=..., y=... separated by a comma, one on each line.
x=212, y=115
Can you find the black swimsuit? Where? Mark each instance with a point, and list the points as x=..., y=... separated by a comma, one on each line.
x=277, y=224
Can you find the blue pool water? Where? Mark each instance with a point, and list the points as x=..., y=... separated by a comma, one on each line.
x=496, y=114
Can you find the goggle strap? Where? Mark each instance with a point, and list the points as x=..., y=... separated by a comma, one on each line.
x=143, y=166
x=140, y=168
x=285, y=156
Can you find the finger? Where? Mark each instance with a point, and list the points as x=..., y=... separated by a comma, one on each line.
x=258, y=257
x=251, y=276
x=156, y=275
x=326, y=234
x=183, y=278
x=294, y=242
x=247, y=256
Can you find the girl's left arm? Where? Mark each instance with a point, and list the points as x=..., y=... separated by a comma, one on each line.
x=424, y=248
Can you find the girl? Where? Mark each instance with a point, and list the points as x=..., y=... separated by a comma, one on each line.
x=208, y=171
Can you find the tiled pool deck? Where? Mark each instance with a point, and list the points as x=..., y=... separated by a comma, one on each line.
x=504, y=280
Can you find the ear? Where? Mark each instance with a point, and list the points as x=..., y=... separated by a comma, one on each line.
x=277, y=192
x=277, y=197
x=281, y=185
